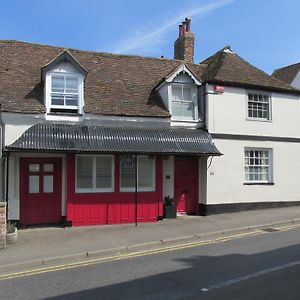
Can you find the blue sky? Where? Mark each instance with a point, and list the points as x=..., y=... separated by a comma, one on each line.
x=264, y=32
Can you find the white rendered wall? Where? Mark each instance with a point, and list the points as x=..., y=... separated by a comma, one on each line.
x=168, y=172
x=227, y=113
x=14, y=182
x=225, y=177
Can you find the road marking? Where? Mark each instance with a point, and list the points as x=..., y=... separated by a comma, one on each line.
x=136, y=254
x=249, y=276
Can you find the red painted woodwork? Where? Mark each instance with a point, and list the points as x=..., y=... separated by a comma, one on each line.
x=112, y=207
x=40, y=207
x=186, y=185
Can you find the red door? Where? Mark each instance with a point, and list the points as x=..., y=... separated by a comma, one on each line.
x=186, y=185
x=40, y=190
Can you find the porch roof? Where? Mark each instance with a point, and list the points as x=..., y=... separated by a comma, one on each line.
x=82, y=137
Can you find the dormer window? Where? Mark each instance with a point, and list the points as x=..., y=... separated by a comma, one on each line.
x=179, y=92
x=182, y=102
x=64, y=82
x=64, y=91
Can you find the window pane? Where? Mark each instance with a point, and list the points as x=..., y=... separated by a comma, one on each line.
x=34, y=167
x=176, y=109
x=72, y=100
x=186, y=94
x=48, y=167
x=48, y=184
x=58, y=84
x=57, y=99
x=146, y=169
x=259, y=106
x=176, y=93
x=188, y=110
x=104, y=172
x=127, y=171
x=71, y=85
x=34, y=184
x=85, y=172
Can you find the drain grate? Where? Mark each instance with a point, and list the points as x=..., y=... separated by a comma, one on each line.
x=270, y=229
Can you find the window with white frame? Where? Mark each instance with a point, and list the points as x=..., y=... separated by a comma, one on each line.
x=94, y=173
x=145, y=173
x=259, y=105
x=258, y=165
x=64, y=91
x=182, y=102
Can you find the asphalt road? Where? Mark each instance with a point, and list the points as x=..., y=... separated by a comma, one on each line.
x=266, y=266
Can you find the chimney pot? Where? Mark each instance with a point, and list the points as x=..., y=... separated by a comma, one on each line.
x=183, y=28
x=188, y=24
x=180, y=30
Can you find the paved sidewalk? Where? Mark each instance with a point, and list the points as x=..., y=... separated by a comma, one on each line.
x=39, y=246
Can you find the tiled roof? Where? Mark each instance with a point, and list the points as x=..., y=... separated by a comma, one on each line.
x=94, y=138
x=115, y=84
x=287, y=74
x=229, y=68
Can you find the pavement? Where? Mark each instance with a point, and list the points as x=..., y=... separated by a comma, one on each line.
x=46, y=246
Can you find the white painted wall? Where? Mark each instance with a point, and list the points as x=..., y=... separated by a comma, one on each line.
x=14, y=182
x=227, y=113
x=225, y=177
x=168, y=171
x=296, y=81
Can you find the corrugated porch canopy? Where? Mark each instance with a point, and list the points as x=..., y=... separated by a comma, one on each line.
x=81, y=137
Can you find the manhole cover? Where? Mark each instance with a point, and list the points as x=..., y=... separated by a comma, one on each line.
x=270, y=229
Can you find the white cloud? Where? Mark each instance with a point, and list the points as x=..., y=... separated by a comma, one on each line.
x=151, y=37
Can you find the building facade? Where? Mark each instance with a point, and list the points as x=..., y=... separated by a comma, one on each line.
x=95, y=138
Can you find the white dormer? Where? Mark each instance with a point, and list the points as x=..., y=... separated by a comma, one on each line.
x=180, y=95
x=64, y=85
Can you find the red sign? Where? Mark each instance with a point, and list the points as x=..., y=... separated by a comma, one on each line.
x=219, y=88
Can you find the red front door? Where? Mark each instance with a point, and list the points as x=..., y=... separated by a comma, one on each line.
x=186, y=185
x=40, y=190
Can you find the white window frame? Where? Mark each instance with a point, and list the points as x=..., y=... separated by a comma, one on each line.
x=48, y=91
x=269, y=111
x=193, y=91
x=94, y=189
x=132, y=189
x=269, y=165
x=64, y=94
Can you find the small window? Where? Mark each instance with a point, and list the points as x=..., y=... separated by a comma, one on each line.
x=145, y=173
x=94, y=173
x=259, y=106
x=258, y=165
x=182, y=104
x=64, y=91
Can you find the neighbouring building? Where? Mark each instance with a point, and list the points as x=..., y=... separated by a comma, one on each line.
x=99, y=138
x=289, y=74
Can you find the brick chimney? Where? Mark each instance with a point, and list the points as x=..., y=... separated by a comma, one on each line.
x=184, y=45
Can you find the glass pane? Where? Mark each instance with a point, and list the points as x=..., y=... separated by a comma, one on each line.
x=57, y=99
x=34, y=184
x=176, y=93
x=57, y=84
x=85, y=172
x=176, y=109
x=71, y=85
x=72, y=100
x=187, y=94
x=104, y=172
x=48, y=184
x=48, y=167
x=127, y=172
x=34, y=167
x=146, y=172
x=188, y=110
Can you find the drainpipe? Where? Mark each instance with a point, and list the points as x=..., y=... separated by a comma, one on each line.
x=7, y=180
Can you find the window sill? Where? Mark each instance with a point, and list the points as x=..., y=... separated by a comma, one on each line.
x=258, y=183
x=259, y=120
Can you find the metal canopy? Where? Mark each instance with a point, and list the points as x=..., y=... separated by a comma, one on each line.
x=81, y=137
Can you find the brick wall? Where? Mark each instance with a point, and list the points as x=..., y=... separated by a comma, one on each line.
x=2, y=224
x=184, y=47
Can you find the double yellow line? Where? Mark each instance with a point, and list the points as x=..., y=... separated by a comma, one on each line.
x=135, y=254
